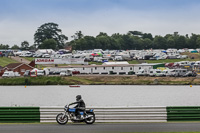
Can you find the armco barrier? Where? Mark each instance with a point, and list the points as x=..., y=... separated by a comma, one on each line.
x=19, y=114
x=183, y=113
x=103, y=114
x=114, y=114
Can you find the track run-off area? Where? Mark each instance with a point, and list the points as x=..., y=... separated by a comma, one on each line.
x=100, y=128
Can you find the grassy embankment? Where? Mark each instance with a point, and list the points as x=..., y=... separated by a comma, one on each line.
x=5, y=61
x=100, y=80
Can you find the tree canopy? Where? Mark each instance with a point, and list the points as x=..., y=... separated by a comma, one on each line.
x=15, y=47
x=2, y=46
x=48, y=44
x=25, y=45
x=135, y=40
x=50, y=31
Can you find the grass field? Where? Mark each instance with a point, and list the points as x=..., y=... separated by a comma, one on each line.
x=5, y=61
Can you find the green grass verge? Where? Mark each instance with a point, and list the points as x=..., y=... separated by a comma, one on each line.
x=29, y=58
x=5, y=61
x=35, y=81
x=93, y=80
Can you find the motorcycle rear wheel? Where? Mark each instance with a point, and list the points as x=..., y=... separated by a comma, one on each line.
x=62, y=120
x=91, y=118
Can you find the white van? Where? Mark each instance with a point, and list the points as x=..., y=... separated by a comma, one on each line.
x=8, y=74
x=142, y=72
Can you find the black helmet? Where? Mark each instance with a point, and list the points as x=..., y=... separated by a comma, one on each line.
x=78, y=97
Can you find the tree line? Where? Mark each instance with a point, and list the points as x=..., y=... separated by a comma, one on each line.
x=135, y=40
x=49, y=36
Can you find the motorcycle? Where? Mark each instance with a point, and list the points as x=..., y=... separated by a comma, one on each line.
x=87, y=116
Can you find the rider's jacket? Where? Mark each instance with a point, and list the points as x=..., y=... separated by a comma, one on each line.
x=80, y=104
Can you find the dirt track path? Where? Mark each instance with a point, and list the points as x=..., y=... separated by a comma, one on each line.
x=19, y=59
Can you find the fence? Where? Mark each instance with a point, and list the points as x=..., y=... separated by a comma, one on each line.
x=191, y=113
x=103, y=114
x=114, y=114
x=19, y=114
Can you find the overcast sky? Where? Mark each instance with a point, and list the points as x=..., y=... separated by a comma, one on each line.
x=19, y=19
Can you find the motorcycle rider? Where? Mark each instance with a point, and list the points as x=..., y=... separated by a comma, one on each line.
x=80, y=105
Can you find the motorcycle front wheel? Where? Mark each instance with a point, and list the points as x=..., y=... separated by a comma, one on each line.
x=91, y=118
x=62, y=119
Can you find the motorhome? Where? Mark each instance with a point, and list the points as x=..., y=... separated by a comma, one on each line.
x=190, y=74
x=156, y=72
x=168, y=72
x=179, y=72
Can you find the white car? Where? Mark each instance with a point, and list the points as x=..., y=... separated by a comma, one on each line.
x=46, y=56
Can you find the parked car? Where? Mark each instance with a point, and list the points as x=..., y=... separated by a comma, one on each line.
x=9, y=74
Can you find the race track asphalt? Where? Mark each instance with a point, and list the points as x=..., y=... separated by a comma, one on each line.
x=100, y=128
